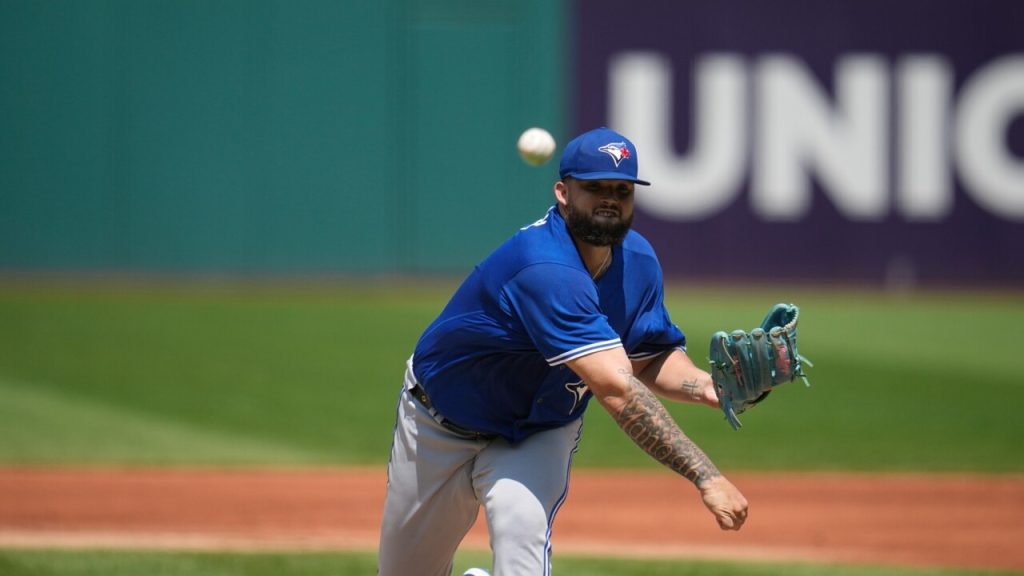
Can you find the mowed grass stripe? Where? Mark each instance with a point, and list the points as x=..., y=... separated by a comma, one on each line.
x=40, y=425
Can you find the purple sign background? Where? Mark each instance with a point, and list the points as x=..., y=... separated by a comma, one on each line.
x=971, y=244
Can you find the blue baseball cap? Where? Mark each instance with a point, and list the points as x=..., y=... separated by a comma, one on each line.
x=601, y=154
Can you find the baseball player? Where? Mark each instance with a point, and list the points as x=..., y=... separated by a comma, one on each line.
x=569, y=309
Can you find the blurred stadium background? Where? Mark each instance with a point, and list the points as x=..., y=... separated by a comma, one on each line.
x=876, y=143
x=223, y=224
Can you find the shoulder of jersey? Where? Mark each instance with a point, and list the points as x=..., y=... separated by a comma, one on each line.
x=636, y=242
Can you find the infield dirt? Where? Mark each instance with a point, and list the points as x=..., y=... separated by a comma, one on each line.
x=912, y=520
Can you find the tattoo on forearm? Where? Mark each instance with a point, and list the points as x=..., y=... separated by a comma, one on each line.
x=651, y=427
x=693, y=389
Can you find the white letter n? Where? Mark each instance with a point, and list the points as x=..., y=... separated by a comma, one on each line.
x=799, y=132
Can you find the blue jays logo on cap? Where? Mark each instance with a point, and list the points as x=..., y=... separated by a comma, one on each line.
x=617, y=151
x=600, y=154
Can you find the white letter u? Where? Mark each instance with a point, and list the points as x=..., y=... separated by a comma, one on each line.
x=690, y=187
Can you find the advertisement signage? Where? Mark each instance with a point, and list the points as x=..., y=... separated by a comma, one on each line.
x=846, y=141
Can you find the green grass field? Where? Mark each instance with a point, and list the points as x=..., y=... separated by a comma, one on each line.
x=279, y=376
x=105, y=563
x=308, y=375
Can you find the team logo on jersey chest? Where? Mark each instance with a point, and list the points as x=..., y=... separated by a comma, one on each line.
x=617, y=150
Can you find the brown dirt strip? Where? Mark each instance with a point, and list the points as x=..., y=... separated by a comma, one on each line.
x=912, y=520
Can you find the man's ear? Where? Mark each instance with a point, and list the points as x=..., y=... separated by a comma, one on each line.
x=561, y=193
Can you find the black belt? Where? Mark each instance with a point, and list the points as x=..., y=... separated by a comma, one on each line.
x=420, y=395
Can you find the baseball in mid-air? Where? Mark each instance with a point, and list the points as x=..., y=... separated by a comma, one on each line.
x=536, y=145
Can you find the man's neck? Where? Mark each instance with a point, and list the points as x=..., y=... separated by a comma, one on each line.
x=595, y=258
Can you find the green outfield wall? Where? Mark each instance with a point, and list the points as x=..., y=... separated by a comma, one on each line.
x=260, y=136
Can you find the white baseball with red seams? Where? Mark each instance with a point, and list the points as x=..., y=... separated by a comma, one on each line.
x=536, y=146
x=476, y=572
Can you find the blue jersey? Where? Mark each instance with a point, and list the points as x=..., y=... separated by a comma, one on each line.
x=494, y=360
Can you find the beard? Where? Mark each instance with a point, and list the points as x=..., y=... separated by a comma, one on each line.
x=597, y=230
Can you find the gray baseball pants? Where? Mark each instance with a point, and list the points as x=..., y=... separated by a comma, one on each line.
x=437, y=482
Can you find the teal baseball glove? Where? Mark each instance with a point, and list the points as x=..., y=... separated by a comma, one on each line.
x=745, y=367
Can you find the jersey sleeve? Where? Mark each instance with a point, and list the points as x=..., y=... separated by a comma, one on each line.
x=657, y=333
x=559, y=309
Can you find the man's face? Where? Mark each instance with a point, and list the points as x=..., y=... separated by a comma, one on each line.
x=599, y=212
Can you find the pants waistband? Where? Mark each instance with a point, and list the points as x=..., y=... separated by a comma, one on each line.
x=420, y=395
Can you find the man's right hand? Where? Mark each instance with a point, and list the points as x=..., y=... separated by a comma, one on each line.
x=724, y=501
x=644, y=419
